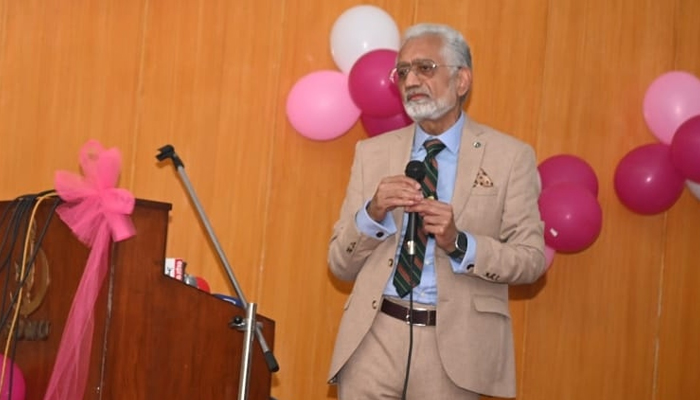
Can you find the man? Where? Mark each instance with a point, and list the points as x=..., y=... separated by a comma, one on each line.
x=483, y=231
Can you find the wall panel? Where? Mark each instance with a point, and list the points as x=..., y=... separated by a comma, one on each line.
x=308, y=184
x=69, y=73
x=679, y=348
x=594, y=324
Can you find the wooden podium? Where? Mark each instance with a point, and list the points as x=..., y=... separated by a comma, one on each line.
x=155, y=337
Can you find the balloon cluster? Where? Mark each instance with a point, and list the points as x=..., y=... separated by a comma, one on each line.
x=324, y=105
x=650, y=178
x=568, y=205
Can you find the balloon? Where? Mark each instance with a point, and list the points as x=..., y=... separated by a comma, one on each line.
x=18, y=385
x=319, y=106
x=568, y=168
x=685, y=149
x=646, y=181
x=549, y=254
x=669, y=101
x=694, y=188
x=370, y=87
x=361, y=29
x=378, y=125
x=572, y=217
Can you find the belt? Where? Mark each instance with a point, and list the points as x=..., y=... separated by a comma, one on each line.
x=417, y=316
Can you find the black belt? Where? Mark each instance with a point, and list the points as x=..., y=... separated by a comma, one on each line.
x=417, y=316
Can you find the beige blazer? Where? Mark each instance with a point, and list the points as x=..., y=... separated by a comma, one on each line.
x=474, y=329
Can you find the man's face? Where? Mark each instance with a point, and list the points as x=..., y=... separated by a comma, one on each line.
x=429, y=89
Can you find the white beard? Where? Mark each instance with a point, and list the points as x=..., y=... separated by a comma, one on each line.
x=428, y=109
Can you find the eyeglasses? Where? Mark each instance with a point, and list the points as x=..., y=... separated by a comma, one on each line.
x=422, y=69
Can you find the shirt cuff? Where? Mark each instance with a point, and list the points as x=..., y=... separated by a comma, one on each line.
x=369, y=227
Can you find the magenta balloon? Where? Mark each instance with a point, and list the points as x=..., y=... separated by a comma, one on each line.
x=572, y=217
x=669, y=101
x=370, y=87
x=319, y=105
x=646, y=180
x=18, y=384
x=568, y=168
x=378, y=125
x=685, y=149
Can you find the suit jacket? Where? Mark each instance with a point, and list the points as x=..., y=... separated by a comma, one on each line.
x=495, y=199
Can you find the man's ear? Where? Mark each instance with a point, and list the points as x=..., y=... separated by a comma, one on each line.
x=464, y=82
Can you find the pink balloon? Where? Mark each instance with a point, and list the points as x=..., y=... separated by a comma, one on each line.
x=378, y=125
x=669, y=101
x=549, y=254
x=646, y=180
x=572, y=217
x=568, y=168
x=18, y=384
x=319, y=106
x=370, y=87
x=685, y=149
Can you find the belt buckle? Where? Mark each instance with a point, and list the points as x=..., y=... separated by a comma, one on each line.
x=408, y=317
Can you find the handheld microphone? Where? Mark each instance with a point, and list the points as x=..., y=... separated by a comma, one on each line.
x=414, y=169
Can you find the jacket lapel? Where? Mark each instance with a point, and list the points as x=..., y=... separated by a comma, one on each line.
x=471, y=153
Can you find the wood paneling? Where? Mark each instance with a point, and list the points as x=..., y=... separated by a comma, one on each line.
x=594, y=324
x=211, y=77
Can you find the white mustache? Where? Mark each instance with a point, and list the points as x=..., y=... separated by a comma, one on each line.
x=414, y=92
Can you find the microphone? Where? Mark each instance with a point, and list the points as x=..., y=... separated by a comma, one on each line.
x=414, y=169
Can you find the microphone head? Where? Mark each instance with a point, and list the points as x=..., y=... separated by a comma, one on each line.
x=415, y=169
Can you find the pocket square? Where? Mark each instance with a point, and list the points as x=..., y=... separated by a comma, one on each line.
x=482, y=179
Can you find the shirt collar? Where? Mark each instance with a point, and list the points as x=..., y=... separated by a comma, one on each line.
x=451, y=137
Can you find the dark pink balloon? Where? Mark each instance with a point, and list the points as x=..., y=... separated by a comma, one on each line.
x=370, y=86
x=646, y=180
x=18, y=382
x=378, y=125
x=572, y=217
x=568, y=168
x=685, y=149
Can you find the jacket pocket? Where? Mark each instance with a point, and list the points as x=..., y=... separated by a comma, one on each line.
x=490, y=304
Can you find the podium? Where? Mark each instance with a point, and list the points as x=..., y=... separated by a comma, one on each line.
x=155, y=337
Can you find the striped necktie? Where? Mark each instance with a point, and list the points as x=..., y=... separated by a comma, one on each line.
x=410, y=267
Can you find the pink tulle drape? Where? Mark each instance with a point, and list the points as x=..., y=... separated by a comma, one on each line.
x=97, y=213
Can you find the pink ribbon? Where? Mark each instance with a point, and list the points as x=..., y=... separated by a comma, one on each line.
x=97, y=213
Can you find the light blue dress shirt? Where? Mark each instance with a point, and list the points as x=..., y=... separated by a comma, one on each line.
x=426, y=291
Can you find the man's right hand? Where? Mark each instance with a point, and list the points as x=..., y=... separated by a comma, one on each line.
x=392, y=192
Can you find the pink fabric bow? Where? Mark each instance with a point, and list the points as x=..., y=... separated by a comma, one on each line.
x=97, y=213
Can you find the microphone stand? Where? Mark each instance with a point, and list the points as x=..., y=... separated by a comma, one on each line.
x=247, y=324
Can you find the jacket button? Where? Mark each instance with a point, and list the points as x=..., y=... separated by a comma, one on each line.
x=374, y=304
x=380, y=234
x=391, y=262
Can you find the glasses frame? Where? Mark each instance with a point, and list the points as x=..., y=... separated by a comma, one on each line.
x=414, y=66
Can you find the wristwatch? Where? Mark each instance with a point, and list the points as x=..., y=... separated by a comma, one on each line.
x=460, y=246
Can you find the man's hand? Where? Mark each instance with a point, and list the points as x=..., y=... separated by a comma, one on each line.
x=392, y=192
x=438, y=220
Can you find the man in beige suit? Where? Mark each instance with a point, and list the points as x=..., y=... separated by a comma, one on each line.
x=483, y=232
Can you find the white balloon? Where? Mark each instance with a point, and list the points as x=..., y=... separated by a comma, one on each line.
x=359, y=30
x=694, y=188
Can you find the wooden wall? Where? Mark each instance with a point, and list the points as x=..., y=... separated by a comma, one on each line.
x=617, y=321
